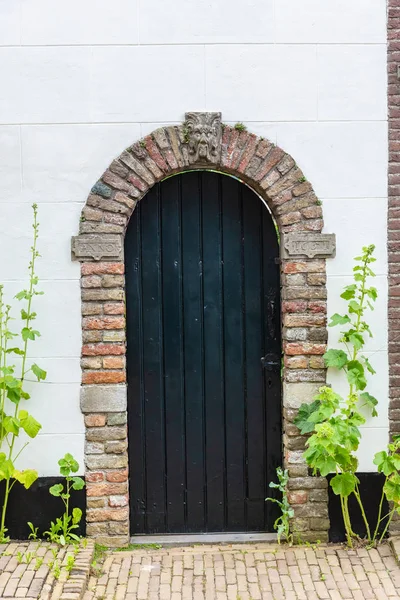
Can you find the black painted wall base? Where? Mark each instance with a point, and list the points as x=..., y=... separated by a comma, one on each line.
x=370, y=490
x=38, y=506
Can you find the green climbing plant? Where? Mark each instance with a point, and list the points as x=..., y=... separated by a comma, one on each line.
x=334, y=422
x=15, y=420
x=282, y=523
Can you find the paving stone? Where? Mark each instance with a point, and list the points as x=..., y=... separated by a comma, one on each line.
x=248, y=572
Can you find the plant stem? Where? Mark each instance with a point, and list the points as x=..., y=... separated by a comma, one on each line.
x=364, y=516
x=387, y=524
x=379, y=519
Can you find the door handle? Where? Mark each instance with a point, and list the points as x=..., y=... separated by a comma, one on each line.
x=270, y=362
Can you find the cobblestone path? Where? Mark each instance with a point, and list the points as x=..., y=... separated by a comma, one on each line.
x=247, y=572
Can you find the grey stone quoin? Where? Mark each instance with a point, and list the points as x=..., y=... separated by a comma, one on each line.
x=201, y=142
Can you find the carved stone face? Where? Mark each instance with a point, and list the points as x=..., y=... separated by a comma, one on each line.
x=204, y=136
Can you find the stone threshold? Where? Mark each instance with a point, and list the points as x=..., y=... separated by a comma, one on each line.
x=178, y=539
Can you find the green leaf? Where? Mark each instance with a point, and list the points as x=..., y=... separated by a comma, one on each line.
x=68, y=464
x=344, y=484
x=335, y=358
x=372, y=293
x=29, y=424
x=354, y=307
x=357, y=340
x=29, y=334
x=370, y=401
x=349, y=292
x=14, y=394
x=384, y=463
x=323, y=462
x=355, y=374
x=11, y=425
x=305, y=411
x=370, y=368
x=24, y=314
x=337, y=319
x=40, y=373
x=16, y=351
x=78, y=483
x=56, y=489
x=76, y=516
x=392, y=489
x=23, y=295
x=6, y=468
x=26, y=477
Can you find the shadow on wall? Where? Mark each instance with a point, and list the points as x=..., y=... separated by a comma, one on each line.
x=39, y=506
x=371, y=491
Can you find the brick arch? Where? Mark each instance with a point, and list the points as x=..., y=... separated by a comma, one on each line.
x=273, y=175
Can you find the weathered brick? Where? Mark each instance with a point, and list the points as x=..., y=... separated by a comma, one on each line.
x=117, y=418
x=102, y=268
x=304, y=320
x=90, y=377
x=117, y=476
x=95, y=420
x=112, y=447
x=103, y=323
x=103, y=349
x=296, y=362
x=110, y=281
x=114, y=308
x=298, y=497
x=118, y=501
x=113, y=362
x=100, y=515
x=307, y=348
x=91, y=362
x=106, y=433
x=106, y=489
x=93, y=476
x=310, y=266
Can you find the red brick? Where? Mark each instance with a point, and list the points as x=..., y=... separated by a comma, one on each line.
x=294, y=306
x=89, y=377
x=95, y=420
x=298, y=497
x=117, y=476
x=293, y=349
x=103, y=349
x=103, y=323
x=311, y=266
x=93, y=476
x=155, y=154
x=102, y=268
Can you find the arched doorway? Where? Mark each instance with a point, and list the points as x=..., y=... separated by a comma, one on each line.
x=202, y=142
x=203, y=357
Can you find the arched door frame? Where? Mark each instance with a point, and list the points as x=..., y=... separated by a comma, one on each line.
x=201, y=142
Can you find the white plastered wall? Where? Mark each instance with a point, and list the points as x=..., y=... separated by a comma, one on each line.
x=80, y=81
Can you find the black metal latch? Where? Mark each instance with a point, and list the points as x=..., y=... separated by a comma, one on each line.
x=270, y=362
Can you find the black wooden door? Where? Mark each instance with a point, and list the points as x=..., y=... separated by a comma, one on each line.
x=203, y=309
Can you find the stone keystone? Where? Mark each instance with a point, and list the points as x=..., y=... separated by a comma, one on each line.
x=203, y=132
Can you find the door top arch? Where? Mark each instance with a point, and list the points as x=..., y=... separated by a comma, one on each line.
x=201, y=142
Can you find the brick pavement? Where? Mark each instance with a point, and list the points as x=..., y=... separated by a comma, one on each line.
x=248, y=572
x=39, y=570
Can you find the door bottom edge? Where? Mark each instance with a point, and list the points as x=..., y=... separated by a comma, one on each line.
x=188, y=539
